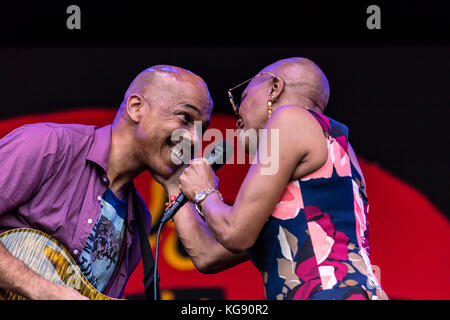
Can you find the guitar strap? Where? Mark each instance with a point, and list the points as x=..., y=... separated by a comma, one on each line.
x=148, y=261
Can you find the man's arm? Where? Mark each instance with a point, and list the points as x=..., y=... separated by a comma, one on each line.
x=17, y=277
x=27, y=159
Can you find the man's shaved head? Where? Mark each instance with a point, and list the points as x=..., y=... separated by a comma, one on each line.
x=162, y=78
x=153, y=75
x=303, y=78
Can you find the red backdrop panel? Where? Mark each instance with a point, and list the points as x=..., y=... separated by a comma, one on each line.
x=408, y=235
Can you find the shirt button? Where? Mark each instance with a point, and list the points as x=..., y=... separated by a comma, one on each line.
x=99, y=198
x=89, y=220
x=75, y=252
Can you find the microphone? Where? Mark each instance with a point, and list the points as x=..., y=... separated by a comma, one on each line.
x=219, y=154
x=217, y=157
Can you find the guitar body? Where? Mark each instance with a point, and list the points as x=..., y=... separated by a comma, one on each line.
x=48, y=258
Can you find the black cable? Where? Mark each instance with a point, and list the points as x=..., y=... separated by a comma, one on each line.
x=155, y=271
x=167, y=215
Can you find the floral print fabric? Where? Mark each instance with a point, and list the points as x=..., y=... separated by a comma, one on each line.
x=315, y=244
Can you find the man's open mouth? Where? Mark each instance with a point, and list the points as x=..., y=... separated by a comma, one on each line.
x=181, y=151
x=177, y=151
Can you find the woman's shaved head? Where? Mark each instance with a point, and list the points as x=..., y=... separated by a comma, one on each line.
x=303, y=78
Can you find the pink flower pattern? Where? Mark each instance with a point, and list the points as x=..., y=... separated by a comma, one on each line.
x=327, y=243
x=291, y=202
x=337, y=159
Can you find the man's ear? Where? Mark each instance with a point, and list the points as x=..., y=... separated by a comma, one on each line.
x=135, y=106
x=277, y=86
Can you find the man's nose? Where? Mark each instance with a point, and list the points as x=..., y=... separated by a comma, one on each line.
x=195, y=138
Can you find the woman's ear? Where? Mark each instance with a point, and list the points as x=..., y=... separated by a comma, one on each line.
x=277, y=87
x=135, y=107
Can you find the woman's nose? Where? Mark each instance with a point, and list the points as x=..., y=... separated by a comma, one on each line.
x=240, y=123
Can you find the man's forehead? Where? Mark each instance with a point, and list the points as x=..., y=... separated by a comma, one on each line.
x=199, y=105
x=198, y=95
x=181, y=87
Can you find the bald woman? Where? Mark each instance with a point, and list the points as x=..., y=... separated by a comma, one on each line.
x=74, y=182
x=305, y=226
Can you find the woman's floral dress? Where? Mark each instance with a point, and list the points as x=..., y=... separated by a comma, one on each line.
x=315, y=244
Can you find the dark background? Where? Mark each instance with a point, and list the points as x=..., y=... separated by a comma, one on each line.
x=389, y=86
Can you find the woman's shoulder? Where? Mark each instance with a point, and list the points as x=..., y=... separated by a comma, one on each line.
x=294, y=117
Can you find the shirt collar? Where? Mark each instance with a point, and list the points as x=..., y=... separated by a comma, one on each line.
x=101, y=146
x=99, y=154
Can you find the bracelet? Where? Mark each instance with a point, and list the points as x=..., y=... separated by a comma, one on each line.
x=172, y=199
x=206, y=193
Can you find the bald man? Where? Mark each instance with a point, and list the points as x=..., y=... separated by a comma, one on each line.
x=74, y=182
x=304, y=226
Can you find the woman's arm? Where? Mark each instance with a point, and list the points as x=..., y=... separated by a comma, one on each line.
x=299, y=149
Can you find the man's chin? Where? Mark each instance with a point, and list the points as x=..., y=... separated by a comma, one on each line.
x=166, y=173
x=162, y=175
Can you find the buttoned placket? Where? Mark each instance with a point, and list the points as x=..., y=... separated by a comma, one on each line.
x=99, y=199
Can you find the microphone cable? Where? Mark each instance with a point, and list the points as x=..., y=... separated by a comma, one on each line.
x=167, y=215
x=155, y=271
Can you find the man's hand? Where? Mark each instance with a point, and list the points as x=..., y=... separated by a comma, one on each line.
x=60, y=292
x=171, y=185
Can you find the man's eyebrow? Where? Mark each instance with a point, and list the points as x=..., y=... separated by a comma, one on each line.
x=192, y=107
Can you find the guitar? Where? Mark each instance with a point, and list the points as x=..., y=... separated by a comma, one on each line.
x=48, y=258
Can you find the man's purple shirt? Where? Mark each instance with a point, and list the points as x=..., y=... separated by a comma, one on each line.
x=52, y=179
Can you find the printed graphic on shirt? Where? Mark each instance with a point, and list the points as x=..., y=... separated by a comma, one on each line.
x=101, y=252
